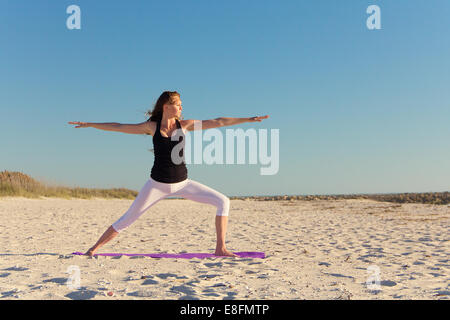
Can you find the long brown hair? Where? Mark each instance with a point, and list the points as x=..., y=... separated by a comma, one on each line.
x=157, y=112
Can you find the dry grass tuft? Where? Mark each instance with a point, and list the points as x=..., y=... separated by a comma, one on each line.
x=18, y=184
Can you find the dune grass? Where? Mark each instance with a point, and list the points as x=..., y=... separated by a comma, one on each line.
x=438, y=198
x=18, y=184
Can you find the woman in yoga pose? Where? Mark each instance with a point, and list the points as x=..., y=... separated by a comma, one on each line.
x=168, y=178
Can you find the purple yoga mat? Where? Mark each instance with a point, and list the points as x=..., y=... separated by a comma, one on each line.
x=180, y=255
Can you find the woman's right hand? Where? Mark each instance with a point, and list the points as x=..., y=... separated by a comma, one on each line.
x=80, y=124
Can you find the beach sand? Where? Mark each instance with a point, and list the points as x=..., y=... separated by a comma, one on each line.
x=343, y=249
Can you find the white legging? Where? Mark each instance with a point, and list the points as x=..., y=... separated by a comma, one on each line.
x=154, y=191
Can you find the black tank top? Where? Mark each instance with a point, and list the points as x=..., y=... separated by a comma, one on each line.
x=164, y=170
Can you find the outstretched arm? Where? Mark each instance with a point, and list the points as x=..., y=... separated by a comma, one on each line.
x=191, y=125
x=139, y=128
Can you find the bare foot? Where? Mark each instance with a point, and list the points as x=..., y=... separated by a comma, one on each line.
x=90, y=252
x=224, y=252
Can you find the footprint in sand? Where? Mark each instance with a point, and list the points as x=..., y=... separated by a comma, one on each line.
x=230, y=296
x=339, y=275
x=149, y=281
x=442, y=293
x=188, y=291
x=189, y=298
x=142, y=293
x=170, y=275
x=324, y=264
x=211, y=265
x=56, y=280
x=388, y=283
x=209, y=276
x=210, y=294
x=436, y=274
x=82, y=294
x=10, y=294
x=16, y=269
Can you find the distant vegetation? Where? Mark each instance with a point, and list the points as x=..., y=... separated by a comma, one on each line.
x=17, y=184
x=441, y=198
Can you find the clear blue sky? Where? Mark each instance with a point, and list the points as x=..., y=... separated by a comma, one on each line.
x=359, y=111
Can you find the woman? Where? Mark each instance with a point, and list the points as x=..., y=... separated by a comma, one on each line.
x=167, y=178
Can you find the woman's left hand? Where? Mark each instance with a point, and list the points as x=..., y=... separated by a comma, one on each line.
x=259, y=119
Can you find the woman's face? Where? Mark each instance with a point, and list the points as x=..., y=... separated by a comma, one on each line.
x=174, y=109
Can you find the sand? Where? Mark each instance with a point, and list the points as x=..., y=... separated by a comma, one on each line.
x=343, y=249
